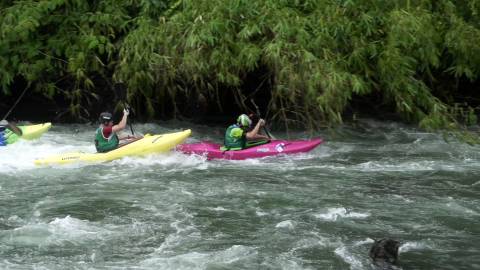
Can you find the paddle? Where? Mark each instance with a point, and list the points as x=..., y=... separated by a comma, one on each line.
x=11, y=126
x=260, y=115
x=121, y=93
x=15, y=104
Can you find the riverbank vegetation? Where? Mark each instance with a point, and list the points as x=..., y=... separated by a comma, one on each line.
x=309, y=61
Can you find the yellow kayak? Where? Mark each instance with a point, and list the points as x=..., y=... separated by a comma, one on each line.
x=147, y=145
x=29, y=132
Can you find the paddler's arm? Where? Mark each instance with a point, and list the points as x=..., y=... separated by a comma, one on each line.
x=253, y=134
x=123, y=122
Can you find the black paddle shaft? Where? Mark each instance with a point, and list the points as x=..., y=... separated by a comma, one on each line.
x=120, y=90
x=260, y=115
x=15, y=104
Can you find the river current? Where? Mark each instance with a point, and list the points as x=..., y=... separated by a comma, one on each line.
x=319, y=210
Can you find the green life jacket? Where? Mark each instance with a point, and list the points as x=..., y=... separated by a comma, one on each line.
x=105, y=144
x=235, y=138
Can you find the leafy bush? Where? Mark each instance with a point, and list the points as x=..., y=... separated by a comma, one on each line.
x=319, y=55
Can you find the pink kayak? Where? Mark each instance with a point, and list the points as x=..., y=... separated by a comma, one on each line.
x=275, y=147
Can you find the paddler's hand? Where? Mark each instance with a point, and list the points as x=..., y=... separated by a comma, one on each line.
x=261, y=122
x=126, y=112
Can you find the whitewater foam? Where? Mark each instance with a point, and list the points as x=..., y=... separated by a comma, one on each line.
x=409, y=246
x=21, y=155
x=218, y=209
x=286, y=224
x=173, y=161
x=349, y=258
x=202, y=260
x=55, y=232
x=333, y=214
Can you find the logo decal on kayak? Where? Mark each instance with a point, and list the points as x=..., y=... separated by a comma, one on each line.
x=70, y=158
x=262, y=150
x=280, y=147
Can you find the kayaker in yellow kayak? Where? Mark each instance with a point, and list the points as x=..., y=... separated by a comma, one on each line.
x=237, y=135
x=106, y=138
x=4, y=125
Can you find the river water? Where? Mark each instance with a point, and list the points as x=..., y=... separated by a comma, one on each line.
x=319, y=210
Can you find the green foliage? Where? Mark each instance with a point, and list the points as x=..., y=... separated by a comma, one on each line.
x=319, y=54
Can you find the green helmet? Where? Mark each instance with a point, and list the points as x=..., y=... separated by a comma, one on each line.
x=244, y=121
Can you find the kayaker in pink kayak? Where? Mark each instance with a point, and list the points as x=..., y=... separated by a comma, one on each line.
x=106, y=138
x=238, y=134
